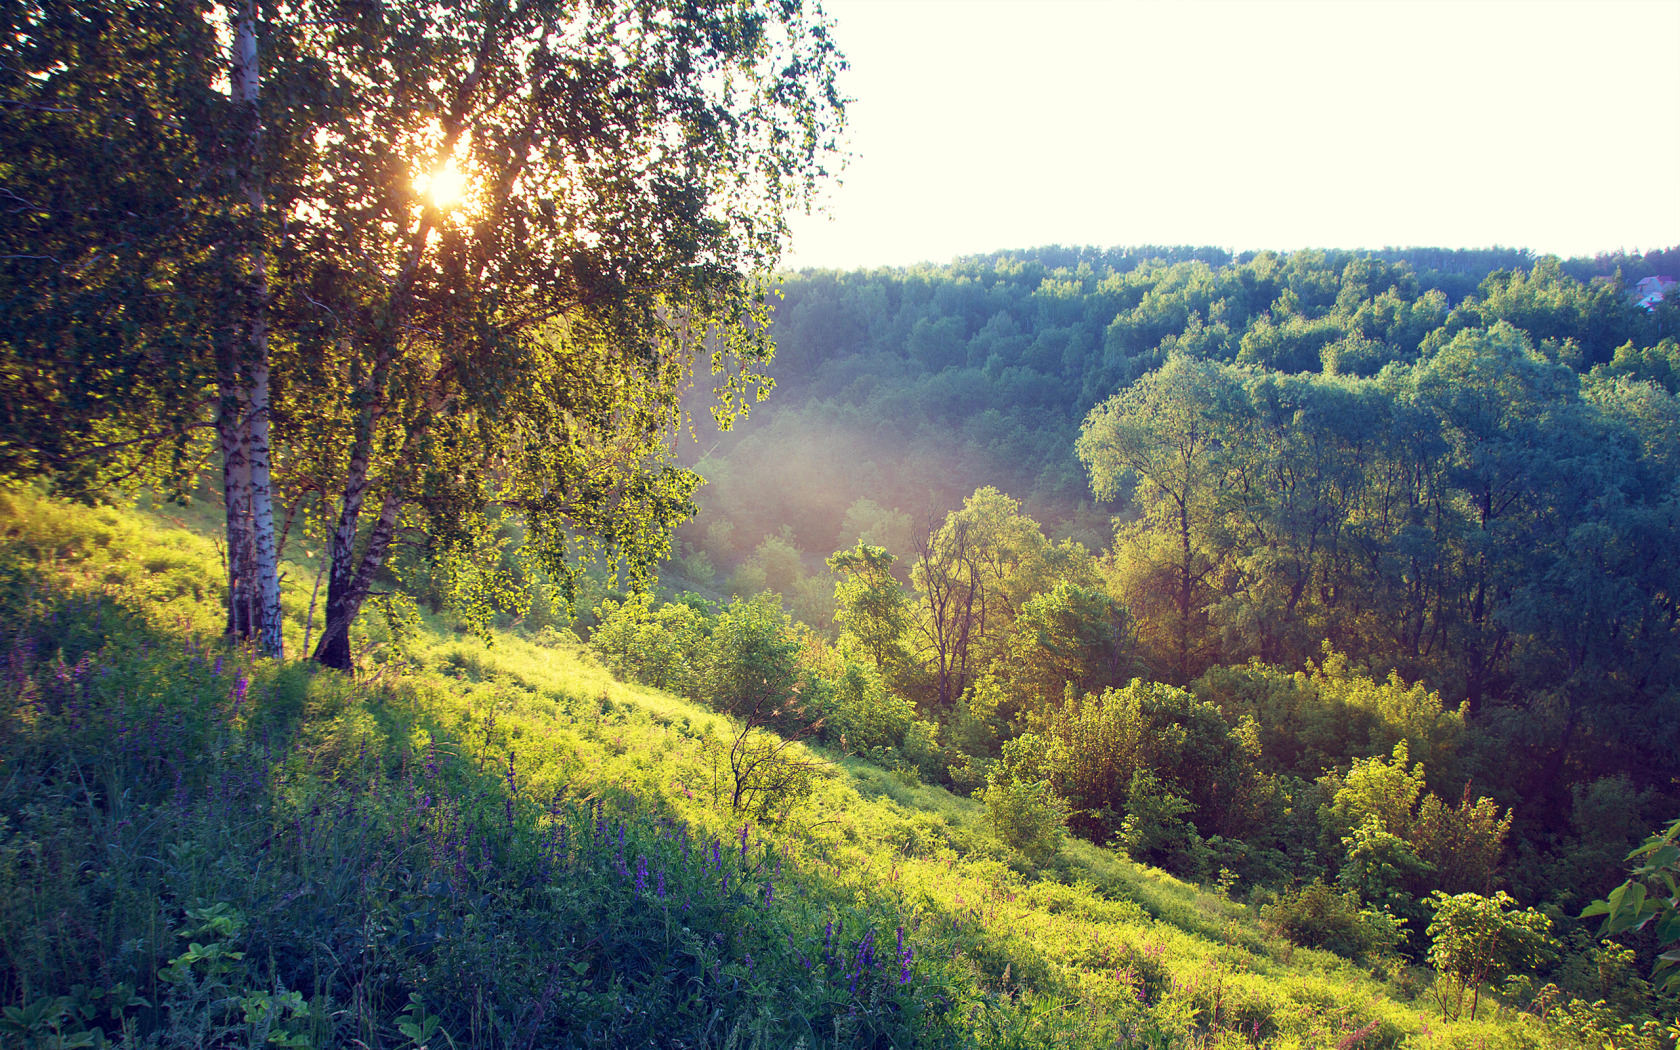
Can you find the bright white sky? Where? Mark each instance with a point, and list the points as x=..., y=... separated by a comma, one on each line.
x=988, y=124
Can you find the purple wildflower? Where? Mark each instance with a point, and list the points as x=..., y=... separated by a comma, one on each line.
x=641, y=874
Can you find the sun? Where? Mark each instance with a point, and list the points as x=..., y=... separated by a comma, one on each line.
x=445, y=187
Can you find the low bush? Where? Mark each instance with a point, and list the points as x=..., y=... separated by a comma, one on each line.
x=1026, y=815
x=1317, y=916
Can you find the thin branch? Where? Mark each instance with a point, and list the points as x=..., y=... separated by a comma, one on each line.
x=38, y=107
x=157, y=435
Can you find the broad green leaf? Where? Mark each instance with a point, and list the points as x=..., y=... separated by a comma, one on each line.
x=1668, y=927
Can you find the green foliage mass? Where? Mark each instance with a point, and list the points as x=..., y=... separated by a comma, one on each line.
x=897, y=385
x=1650, y=898
x=1318, y=916
x=1350, y=501
x=1475, y=940
x=1026, y=815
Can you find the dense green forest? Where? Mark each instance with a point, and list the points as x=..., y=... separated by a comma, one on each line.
x=912, y=388
x=1346, y=569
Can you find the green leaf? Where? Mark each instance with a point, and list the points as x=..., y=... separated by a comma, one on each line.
x=1665, y=856
x=1668, y=927
x=1626, y=905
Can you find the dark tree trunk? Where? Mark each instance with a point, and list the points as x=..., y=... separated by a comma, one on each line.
x=351, y=581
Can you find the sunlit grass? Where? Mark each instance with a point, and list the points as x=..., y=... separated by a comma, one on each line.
x=516, y=738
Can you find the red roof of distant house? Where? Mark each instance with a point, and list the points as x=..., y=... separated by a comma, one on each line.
x=1651, y=289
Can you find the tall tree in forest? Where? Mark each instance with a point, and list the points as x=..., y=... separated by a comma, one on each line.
x=874, y=613
x=1504, y=413
x=973, y=574
x=952, y=603
x=242, y=366
x=1169, y=433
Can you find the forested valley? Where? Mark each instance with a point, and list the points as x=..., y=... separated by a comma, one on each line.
x=1346, y=571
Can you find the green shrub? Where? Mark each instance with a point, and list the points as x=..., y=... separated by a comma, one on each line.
x=1316, y=916
x=1026, y=816
x=866, y=715
x=752, y=664
x=658, y=647
x=1475, y=940
x=921, y=748
x=1154, y=829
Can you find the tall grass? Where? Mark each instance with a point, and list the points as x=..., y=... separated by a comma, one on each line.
x=505, y=847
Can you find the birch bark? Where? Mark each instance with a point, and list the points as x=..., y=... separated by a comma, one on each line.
x=262, y=570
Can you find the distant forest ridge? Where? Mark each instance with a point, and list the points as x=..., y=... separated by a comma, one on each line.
x=911, y=387
x=1435, y=266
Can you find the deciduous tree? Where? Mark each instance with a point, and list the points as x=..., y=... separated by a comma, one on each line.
x=511, y=245
x=1169, y=432
x=1476, y=939
x=874, y=610
x=455, y=255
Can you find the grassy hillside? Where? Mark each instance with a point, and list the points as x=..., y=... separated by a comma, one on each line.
x=503, y=846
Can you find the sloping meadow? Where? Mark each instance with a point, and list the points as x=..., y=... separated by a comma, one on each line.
x=505, y=847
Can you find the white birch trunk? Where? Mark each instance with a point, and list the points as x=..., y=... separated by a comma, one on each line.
x=236, y=498
x=264, y=578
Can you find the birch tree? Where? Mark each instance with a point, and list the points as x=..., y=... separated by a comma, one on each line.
x=132, y=263
x=407, y=261
x=522, y=225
